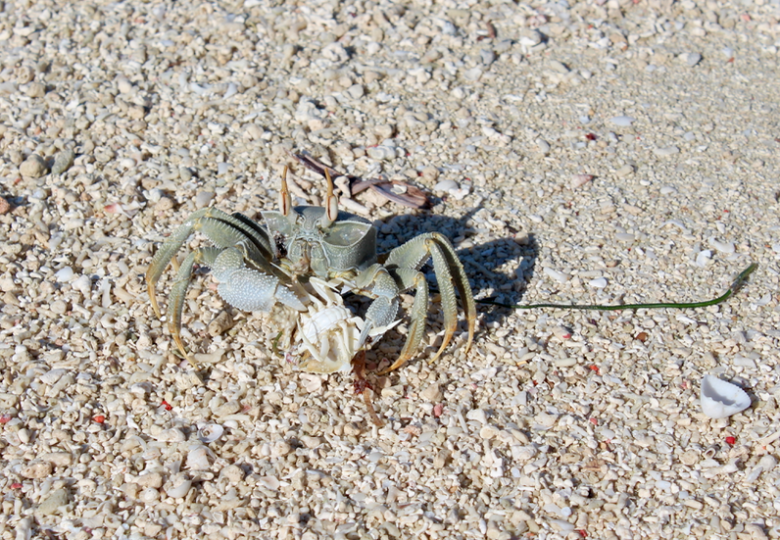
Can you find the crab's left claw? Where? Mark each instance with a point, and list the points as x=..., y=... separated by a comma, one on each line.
x=238, y=241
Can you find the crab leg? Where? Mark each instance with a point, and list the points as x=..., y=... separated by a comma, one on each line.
x=405, y=262
x=178, y=291
x=224, y=231
x=244, y=288
x=376, y=282
x=238, y=241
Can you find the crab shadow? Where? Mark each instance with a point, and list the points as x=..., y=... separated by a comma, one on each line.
x=498, y=270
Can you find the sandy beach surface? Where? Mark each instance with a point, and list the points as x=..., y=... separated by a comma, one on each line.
x=603, y=151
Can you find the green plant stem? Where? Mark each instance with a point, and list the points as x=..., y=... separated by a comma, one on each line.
x=738, y=283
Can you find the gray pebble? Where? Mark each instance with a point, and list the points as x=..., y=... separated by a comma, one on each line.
x=380, y=152
x=692, y=59
x=356, y=91
x=473, y=74
x=544, y=146
x=487, y=56
x=622, y=121
x=667, y=151
x=63, y=162
x=203, y=199
x=558, y=67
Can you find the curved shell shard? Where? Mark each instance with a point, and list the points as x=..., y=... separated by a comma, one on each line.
x=721, y=399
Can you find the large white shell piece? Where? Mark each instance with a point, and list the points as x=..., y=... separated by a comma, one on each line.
x=328, y=335
x=721, y=399
x=210, y=433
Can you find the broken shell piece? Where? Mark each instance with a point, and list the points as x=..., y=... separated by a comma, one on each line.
x=178, y=487
x=210, y=433
x=198, y=458
x=721, y=399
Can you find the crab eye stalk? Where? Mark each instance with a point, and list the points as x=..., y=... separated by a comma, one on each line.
x=285, y=201
x=331, y=201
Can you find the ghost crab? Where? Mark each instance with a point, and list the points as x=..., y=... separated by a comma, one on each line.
x=257, y=266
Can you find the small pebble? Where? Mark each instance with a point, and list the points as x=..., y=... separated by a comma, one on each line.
x=723, y=247
x=220, y=324
x=124, y=85
x=36, y=470
x=165, y=204
x=560, y=277
x=64, y=274
x=53, y=502
x=692, y=59
x=355, y=91
x=544, y=146
x=33, y=167
x=666, y=151
x=432, y=393
x=487, y=57
x=580, y=180
x=82, y=284
x=622, y=121
x=598, y=283
x=152, y=479
x=530, y=38
x=203, y=198
x=477, y=415
x=473, y=74
x=446, y=185
x=381, y=152
x=558, y=67
x=63, y=162
x=36, y=89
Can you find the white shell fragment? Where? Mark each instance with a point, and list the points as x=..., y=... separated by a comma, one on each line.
x=580, y=180
x=210, y=433
x=328, y=334
x=64, y=275
x=198, y=458
x=178, y=487
x=721, y=399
